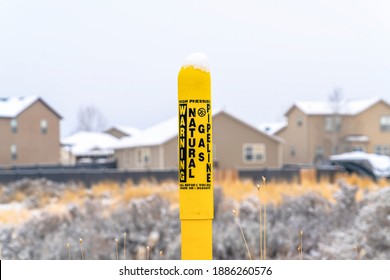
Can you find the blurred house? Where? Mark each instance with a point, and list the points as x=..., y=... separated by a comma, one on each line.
x=88, y=147
x=29, y=131
x=236, y=145
x=120, y=131
x=316, y=130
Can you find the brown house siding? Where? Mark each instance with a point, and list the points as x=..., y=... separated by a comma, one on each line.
x=33, y=147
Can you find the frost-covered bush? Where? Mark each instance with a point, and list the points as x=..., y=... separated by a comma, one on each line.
x=343, y=229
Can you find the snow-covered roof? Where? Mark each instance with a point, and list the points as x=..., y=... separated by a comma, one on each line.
x=346, y=107
x=165, y=131
x=89, y=143
x=380, y=163
x=155, y=135
x=10, y=107
x=152, y=136
x=272, y=127
x=129, y=130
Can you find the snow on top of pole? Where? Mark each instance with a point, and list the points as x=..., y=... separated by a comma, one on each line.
x=197, y=60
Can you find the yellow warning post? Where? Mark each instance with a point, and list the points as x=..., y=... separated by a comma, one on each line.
x=195, y=158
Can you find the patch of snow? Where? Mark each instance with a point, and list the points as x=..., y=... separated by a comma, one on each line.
x=10, y=107
x=89, y=143
x=198, y=61
x=127, y=129
x=380, y=163
x=12, y=206
x=152, y=136
x=347, y=107
x=272, y=127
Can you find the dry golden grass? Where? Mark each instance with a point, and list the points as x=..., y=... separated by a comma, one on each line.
x=167, y=190
x=44, y=200
x=274, y=192
x=106, y=189
x=115, y=194
x=14, y=216
x=73, y=196
x=19, y=196
x=122, y=193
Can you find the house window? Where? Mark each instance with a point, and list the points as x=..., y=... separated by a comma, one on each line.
x=385, y=123
x=254, y=153
x=332, y=123
x=293, y=152
x=319, y=154
x=44, y=126
x=382, y=150
x=143, y=157
x=299, y=121
x=14, y=125
x=319, y=150
x=14, y=152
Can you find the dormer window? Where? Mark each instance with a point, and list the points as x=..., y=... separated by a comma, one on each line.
x=14, y=125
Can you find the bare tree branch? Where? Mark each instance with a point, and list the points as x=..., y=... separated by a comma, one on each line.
x=89, y=118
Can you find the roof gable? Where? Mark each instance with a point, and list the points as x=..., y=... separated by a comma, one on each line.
x=11, y=107
x=346, y=107
x=129, y=130
x=249, y=126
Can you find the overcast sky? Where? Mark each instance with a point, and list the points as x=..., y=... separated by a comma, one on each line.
x=123, y=56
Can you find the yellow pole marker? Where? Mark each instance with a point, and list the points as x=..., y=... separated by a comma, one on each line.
x=195, y=158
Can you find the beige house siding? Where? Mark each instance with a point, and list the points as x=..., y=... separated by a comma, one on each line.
x=319, y=141
x=170, y=154
x=294, y=135
x=155, y=163
x=368, y=123
x=32, y=146
x=127, y=158
x=229, y=137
